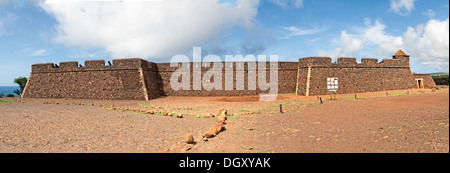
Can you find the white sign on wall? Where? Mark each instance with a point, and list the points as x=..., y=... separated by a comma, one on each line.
x=332, y=84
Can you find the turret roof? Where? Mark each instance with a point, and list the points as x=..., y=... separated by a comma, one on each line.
x=400, y=52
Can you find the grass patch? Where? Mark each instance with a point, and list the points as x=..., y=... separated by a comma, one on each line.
x=347, y=98
x=242, y=110
x=234, y=118
x=6, y=101
x=169, y=108
x=383, y=95
x=397, y=94
x=150, y=106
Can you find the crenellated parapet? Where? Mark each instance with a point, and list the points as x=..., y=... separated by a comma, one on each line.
x=350, y=62
x=90, y=65
x=206, y=66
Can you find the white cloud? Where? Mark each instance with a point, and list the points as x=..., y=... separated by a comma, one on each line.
x=402, y=7
x=375, y=35
x=433, y=43
x=293, y=31
x=286, y=3
x=428, y=44
x=348, y=46
x=39, y=52
x=430, y=13
x=298, y=3
x=147, y=29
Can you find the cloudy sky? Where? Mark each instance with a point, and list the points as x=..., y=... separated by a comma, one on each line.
x=40, y=31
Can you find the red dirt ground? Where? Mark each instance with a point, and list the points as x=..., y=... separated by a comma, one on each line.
x=418, y=122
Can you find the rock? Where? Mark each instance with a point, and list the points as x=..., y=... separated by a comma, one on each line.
x=222, y=119
x=150, y=112
x=184, y=150
x=165, y=113
x=208, y=134
x=189, y=138
x=215, y=130
x=219, y=112
x=223, y=113
x=221, y=122
x=208, y=116
x=223, y=116
x=220, y=127
x=205, y=139
x=179, y=116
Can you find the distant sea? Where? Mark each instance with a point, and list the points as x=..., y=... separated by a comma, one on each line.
x=8, y=90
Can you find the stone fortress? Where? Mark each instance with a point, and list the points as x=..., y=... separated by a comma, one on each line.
x=138, y=79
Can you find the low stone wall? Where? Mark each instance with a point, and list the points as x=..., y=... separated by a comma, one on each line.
x=428, y=82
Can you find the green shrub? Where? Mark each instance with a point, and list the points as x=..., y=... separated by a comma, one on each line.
x=441, y=79
x=10, y=95
x=2, y=95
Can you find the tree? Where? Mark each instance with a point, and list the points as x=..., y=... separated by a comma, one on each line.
x=18, y=92
x=21, y=81
x=2, y=95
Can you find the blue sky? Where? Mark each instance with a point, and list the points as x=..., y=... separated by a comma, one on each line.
x=38, y=31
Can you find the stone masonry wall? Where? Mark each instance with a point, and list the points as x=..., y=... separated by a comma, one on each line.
x=137, y=79
x=93, y=81
x=428, y=81
x=287, y=74
x=353, y=77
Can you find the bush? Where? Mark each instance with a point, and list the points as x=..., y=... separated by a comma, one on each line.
x=441, y=79
x=2, y=95
x=10, y=95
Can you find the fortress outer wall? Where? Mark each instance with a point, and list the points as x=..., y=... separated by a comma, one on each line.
x=121, y=81
x=137, y=79
x=353, y=77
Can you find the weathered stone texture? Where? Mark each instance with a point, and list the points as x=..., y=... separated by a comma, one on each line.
x=428, y=81
x=353, y=77
x=137, y=79
x=287, y=72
